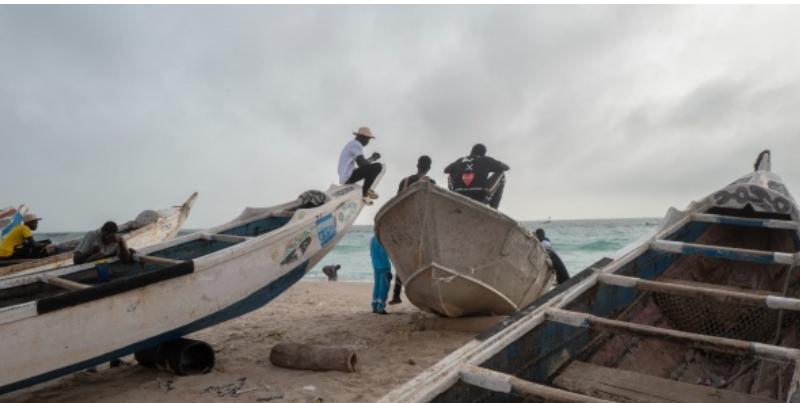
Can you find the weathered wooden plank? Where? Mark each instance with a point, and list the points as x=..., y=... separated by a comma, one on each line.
x=504, y=383
x=63, y=283
x=747, y=222
x=725, y=294
x=747, y=255
x=719, y=344
x=629, y=387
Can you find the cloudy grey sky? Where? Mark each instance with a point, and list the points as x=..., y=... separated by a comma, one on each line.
x=601, y=111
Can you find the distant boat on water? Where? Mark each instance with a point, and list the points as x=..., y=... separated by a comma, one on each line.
x=548, y=220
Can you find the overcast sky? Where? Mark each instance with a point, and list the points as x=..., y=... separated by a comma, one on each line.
x=600, y=111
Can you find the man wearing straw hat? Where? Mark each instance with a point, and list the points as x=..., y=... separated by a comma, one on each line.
x=19, y=243
x=353, y=167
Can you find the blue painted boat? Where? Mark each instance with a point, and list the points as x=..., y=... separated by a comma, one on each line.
x=10, y=217
x=67, y=319
x=705, y=309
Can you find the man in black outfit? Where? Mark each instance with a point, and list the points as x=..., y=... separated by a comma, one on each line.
x=423, y=166
x=478, y=177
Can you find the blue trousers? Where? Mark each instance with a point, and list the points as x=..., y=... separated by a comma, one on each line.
x=380, y=291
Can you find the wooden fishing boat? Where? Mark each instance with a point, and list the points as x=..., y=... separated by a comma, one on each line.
x=65, y=320
x=703, y=310
x=149, y=227
x=10, y=217
x=457, y=257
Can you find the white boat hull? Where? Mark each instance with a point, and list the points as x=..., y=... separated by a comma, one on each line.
x=457, y=257
x=57, y=335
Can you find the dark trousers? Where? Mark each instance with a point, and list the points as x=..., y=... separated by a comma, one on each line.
x=24, y=251
x=491, y=194
x=368, y=173
x=494, y=192
x=398, y=287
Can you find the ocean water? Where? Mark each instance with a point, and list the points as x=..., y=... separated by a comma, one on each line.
x=579, y=243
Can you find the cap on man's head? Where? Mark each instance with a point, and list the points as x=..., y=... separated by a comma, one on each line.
x=30, y=218
x=424, y=162
x=478, y=150
x=364, y=131
x=110, y=227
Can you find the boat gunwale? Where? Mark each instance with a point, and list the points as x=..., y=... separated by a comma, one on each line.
x=201, y=263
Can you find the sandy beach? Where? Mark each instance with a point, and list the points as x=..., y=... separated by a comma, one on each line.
x=390, y=351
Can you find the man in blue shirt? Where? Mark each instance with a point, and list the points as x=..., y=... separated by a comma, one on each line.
x=383, y=273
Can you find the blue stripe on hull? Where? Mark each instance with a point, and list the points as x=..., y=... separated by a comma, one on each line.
x=727, y=254
x=254, y=301
x=734, y=221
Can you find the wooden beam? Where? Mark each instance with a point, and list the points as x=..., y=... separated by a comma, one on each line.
x=63, y=283
x=747, y=222
x=629, y=386
x=702, y=291
x=504, y=383
x=718, y=344
x=747, y=255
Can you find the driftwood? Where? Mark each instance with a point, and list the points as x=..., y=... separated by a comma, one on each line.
x=301, y=356
x=468, y=325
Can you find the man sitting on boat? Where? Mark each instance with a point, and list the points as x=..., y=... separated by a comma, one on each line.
x=470, y=176
x=101, y=243
x=367, y=169
x=19, y=243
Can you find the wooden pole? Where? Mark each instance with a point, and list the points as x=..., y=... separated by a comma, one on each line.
x=301, y=356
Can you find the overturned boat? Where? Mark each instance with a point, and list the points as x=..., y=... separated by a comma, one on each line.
x=703, y=310
x=457, y=257
x=148, y=228
x=68, y=319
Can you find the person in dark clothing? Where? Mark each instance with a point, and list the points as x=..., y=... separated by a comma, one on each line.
x=562, y=274
x=478, y=177
x=423, y=166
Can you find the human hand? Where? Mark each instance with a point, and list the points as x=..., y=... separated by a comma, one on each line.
x=389, y=275
x=375, y=156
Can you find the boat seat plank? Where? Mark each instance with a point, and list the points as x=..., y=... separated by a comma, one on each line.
x=748, y=255
x=63, y=283
x=747, y=222
x=627, y=386
x=722, y=293
x=156, y=260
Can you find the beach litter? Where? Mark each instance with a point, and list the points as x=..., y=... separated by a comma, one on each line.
x=231, y=389
x=267, y=398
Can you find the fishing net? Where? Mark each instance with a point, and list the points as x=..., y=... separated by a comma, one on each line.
x=713, y=318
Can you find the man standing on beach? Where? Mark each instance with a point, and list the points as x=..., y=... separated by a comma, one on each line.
x=367, y=169
x=383, y=274
x=423, y=166
x=470, y=176
x=562, y=275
